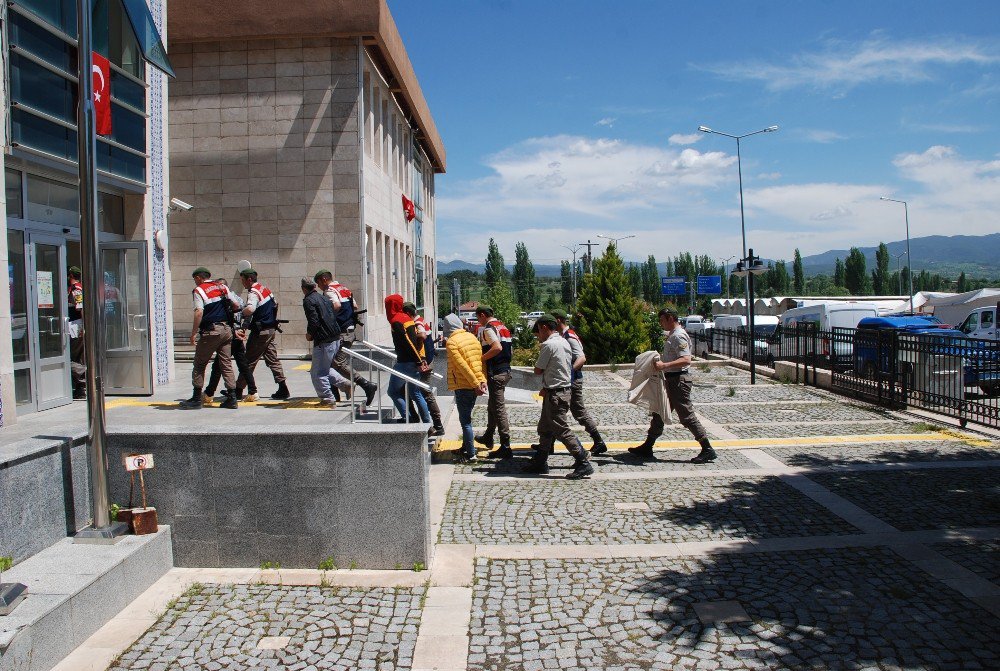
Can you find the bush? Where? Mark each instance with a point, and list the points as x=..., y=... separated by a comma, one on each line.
x=525, y=356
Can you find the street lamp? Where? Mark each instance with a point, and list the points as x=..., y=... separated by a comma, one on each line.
x=725, y=266
x=573, y=250
x=909, y=259
x=899, y=275
x=749, y=267
x=615, y=240
x=739, y=169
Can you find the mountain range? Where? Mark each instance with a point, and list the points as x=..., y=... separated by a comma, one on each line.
x=975, y=255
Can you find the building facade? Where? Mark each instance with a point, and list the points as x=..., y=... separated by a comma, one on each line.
x=40, y=225
x=296, y=138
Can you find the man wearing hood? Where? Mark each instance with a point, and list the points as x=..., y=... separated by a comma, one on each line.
x=410, y=358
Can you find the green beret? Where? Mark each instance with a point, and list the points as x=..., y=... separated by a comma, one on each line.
x=560, y=314
x=249, y=272
x=201, y=270
x=75, y=270
x=321, y=272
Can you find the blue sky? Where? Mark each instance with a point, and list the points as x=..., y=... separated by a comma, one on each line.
x=568, y=119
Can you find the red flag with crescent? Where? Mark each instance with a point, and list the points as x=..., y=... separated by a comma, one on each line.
x=408, y=209
x=102, y=94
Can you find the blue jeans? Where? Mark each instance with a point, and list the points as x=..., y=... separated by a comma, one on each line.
x=324, y=378
x=397, y=392
x=465, y=401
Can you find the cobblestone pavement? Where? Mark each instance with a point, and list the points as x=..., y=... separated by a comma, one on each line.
x=710, y=392
x=604, y=415
x=878, y=453
x=613, y=434
x=923, y=499
x=982, y=557
x=683, y=509
x=672, y=460
x=819, y=429
x=801, y=412
x=825, y=609
x=223, y=628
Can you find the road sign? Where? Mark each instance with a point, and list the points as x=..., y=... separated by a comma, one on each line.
x=709, y=284
x=673, y=286
x=138, y=462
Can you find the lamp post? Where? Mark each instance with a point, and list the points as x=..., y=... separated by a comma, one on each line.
x=899, y=275
x=615, y=240
x=739, y=169
x=909, y=259
x=725, y=273
x=573, y=250
x=590, y=255
x=748, y=268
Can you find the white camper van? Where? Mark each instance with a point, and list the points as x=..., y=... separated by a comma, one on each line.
x=982, y=323
x=826, y=317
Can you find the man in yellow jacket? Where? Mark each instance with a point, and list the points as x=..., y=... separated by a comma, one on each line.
x=465, y=378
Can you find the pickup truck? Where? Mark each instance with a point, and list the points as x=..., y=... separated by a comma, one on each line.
x=874, y=348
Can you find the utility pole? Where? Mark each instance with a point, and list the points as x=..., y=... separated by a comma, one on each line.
x=590, y=255
x=573, y=250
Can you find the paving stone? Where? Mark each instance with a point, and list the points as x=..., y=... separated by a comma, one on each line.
x=611, y=434
x=238, y=627
x=819, y=429
x=732, y=413
x=846, y=609
x=533, y=511
x=981, y=557
x=880, y=453
x=923, y=499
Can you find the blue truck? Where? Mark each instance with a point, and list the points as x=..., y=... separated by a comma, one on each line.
x=879, y=351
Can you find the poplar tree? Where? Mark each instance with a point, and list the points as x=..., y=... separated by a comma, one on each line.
x=880, y=275
x=566, y=280
x=525, y=288
x=855, y=274
x=612, y=326
x=495, y=269
x=798, y=274
x=838, y=273
x=651, y=281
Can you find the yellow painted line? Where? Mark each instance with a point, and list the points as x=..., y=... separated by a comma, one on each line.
x=291, y=404
x=772, y=442
x=303, y=366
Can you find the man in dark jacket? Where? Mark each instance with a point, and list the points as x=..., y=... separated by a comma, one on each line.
x=324, y=333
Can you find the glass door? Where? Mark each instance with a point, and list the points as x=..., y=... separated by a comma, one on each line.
x=128, y=366
x=47, y=320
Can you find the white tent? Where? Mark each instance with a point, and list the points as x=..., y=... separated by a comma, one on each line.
x=954, y=308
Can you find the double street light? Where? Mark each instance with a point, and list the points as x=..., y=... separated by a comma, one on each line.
x=909, y=259
x=749, y=264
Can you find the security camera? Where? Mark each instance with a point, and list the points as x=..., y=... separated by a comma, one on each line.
x=178, y=204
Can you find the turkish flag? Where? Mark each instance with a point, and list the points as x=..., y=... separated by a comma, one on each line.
x=408, y=209
x=102, y=94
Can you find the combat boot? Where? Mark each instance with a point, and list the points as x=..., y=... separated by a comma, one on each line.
x=485, y=441
x=282, y=394
x=230, y=403
x=599, y=446
x=643, y=450
x=706, y=455
x=582, y=469
x=193, y=403
x=502, y=452
x=370, y=389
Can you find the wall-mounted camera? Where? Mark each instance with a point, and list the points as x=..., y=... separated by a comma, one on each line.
x=178, y=204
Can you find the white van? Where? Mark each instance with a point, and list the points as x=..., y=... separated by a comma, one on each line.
x=701, y=337
x=982, y=323
x=826, y=317
x=723, y=340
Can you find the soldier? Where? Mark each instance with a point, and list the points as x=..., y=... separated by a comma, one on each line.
x=497, y=347
x=674, y=363
x=576, y=406
x=555, y=365
x=345, y=310
x=238, y=350
x=77, y=349
x=211, y=335
x=261, y=315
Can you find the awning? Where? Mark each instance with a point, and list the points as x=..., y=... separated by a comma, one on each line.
x=147, y=35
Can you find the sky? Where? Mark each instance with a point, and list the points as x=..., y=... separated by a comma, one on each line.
x=564, y=120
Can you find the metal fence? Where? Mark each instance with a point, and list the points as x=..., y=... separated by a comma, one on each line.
x=954, y=376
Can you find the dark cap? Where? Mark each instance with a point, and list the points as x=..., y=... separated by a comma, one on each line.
x=409, y=306
x=321, y=272
x=546, y=320
x=249, y=272
x=201, y=270
x=75, y=270
x=668, y=312
x=560, y=315
x=485, y=309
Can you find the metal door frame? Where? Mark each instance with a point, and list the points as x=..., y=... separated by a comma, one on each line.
x=141, y=246
x=31, y=238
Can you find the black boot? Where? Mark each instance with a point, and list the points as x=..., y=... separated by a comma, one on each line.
x=193, y=403
x=706, y=455
x=537, y=465
x=502, y=452
x=282, y=394
x=643, y=450
x=582, y=469
x=485, y=440
x=336, y=394
x=230, y=403
x=598, y=447
x=370, y=389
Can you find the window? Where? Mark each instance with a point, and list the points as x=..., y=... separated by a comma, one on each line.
x=366, y=112
x=970, y=324
x=987, y=320
x=377, y=124
x=53, y=202
x=110, y=213
x=60, y=13
x=13, y=193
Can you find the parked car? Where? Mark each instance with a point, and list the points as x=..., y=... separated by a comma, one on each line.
x=824, y=317
x=981, y=323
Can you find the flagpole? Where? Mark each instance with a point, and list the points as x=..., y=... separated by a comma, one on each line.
x=93, y=324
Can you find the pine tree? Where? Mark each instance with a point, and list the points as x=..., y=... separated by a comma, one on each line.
x=838, y=273
x=495, y=269
x=798, y=274
x=612, y=327
x=855, y=274
x=566, y=280
x=525, y=288
x=880, y=275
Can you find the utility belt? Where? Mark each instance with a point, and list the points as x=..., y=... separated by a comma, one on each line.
x=205, y=330
x=557, y=389
x=676, y=373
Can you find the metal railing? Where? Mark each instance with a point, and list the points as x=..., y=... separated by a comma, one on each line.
x=947, y=374
x=375, y=365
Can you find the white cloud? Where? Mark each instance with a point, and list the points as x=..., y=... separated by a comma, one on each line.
x=943, y=127
x=608, y=121
x=680, y=139
x=820, y=136
x=843, y=65
x=770, y=176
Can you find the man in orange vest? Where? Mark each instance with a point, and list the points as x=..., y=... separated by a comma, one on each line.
x=212, y=335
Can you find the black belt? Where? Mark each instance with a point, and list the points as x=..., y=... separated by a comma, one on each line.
x=557, y=389
x=202, y=329
x=677, y=373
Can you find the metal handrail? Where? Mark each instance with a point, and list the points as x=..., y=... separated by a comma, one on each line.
x=392, y=355
x=387, y=369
